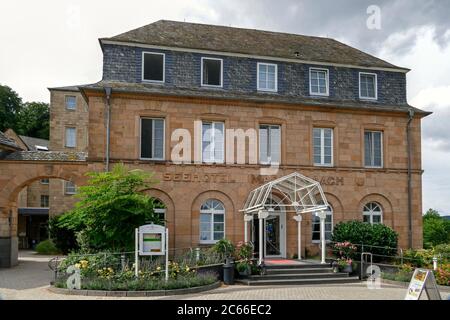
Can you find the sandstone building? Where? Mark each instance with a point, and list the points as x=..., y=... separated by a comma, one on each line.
x=318, y=107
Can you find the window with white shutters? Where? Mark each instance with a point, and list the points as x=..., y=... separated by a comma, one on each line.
x=323, y=146
x=373, y=149
x=269, y=144
x=213, y=142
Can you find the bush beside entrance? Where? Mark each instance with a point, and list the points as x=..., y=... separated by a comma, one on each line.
x=376, y=238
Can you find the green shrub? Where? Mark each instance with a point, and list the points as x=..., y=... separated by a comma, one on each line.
x=224, y=247
x=436, y=230
x=382, y=238
x=142, y=283
x=443, y=250
x=46, y=247
x=64, y=238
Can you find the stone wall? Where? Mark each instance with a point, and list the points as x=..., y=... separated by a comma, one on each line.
x=348, y=185
x=61, y=118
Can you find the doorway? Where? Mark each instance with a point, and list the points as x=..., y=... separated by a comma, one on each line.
x=274, y=231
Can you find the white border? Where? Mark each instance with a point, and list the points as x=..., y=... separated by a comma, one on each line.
x=376, y=86
x=382, y=149
x=229, y=54
x=153, y=129
x=212, y=212
x=164, y=67
x=322, y=147
x=221, y=73
x=269, y=142
x=257, y=77
x=327, y=84
x=213, y=137
x=371, y=213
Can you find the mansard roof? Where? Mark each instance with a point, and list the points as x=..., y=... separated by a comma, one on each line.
x=261, y=98
x=195, y=36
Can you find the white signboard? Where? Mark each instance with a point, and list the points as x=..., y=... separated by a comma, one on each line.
x=152, y=240
x=423, y=279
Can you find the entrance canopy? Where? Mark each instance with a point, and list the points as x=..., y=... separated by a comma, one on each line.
x=297, y=191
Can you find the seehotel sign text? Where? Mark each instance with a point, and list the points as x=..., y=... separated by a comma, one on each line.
x=227, y=178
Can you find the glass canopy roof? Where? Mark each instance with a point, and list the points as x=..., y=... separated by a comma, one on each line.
x=296, y=191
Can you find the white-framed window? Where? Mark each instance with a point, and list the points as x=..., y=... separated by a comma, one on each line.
x=318, y=82
x=45, y=181
x=269, y=144
x=71, y=137
x=69, y=187
x=45, y=201
x=373, y=149
x=71, y=102
x=160, y=210
x=213, y=141
x=328, y=226
x=323, y=146
x=267, y=79
x=372, y=213
x=153, y=66
x=368, y=88
x=152, y=138
x=212, y=221
x=211, y=72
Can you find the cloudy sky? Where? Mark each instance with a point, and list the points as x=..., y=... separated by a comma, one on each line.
x=54, y=42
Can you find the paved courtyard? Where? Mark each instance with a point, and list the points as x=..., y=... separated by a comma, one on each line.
x=30, y=280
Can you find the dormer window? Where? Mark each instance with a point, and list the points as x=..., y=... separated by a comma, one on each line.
x=318, y=82
x=267, y=77
x=212, y=72
x=368, y=86
x=153, y=66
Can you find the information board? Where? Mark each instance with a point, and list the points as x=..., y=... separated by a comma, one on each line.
x=152, y=240
x=423, y=279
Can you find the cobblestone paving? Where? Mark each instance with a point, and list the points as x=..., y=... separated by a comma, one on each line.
x=30, y=280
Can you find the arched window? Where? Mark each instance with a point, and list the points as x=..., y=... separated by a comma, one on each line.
x=160, y=210
x=328, y=226
x=212, y=221
x=372, y=213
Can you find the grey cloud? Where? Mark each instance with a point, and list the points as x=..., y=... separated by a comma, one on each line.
x=435, y=127
x=344, y=19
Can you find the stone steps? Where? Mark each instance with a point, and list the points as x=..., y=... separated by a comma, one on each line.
x=297, y=281
x=298, y=274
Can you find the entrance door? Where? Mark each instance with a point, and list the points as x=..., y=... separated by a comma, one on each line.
x=275, y=235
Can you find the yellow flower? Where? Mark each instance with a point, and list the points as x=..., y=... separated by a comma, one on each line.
x=77, y=265
x=158, y=268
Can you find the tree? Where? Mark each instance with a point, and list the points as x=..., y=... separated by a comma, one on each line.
x=111, y=206
x=10, y=106
x=33, y=120
x=436, y=230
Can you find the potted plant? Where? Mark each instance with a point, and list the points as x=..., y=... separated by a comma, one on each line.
x=244, y=268
x=345, y=265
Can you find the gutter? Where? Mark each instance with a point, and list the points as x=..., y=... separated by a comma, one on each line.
x=409, y=146
x=108, y=124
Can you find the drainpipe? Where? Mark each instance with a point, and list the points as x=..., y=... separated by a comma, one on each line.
x=409, y=142
x=108, y=123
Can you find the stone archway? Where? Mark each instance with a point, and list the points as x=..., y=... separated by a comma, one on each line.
x=14, y=176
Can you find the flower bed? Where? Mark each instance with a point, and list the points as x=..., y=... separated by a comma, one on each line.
x=116, y=272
